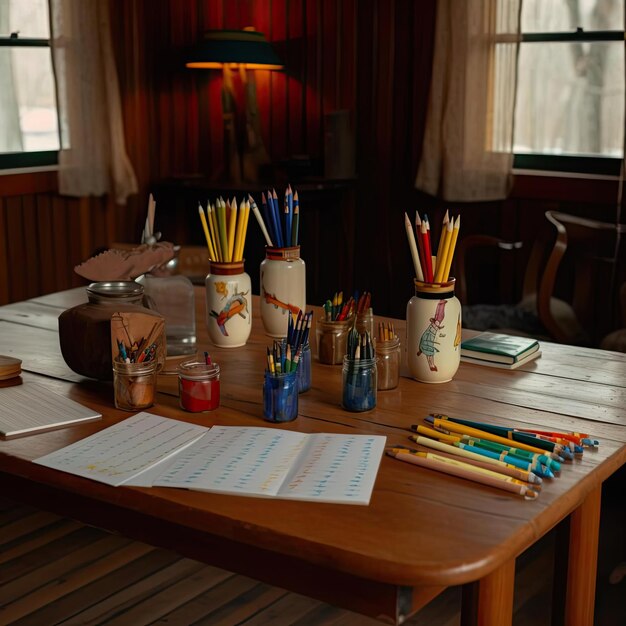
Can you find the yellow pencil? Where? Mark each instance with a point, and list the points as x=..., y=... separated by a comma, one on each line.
x=455, y=236
x=214, y=231
x=231, y=224
x=245, y=229
x=444, y=226
x=206, y=233
x=442, y=252
x=222, y=228
x=239, y=231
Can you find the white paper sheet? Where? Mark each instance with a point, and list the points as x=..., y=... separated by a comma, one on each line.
x=285, y=464
x=122, y=453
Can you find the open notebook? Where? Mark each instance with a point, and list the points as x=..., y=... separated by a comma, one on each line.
x=31, y=408
x=147, y=450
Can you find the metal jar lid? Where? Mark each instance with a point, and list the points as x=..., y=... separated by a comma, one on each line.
x=121, y=289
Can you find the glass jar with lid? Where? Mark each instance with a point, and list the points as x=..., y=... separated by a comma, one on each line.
x=85, y=330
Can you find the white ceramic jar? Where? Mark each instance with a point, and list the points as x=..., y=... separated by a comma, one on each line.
x=433, y=327
x=228, y=304
x=282, y=287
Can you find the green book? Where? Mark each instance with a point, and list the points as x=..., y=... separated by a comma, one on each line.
x=499, y=348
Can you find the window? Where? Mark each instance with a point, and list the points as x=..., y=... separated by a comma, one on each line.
x=569, y=112
x=29, y=129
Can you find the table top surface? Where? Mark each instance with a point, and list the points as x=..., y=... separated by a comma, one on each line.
x=421, y=527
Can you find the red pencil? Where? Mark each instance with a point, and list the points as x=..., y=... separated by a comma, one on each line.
x=428, y=262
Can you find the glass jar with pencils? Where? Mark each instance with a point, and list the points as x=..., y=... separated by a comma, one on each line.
x=282, y=287
x=359, y=384
x=134, y=384
x=388, y=353
x=280, y=396
x=304, y=369
x=332, y=338
x=433, y=326
x=228, y=304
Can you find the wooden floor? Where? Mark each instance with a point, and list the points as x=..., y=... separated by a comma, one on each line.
x=57, y=571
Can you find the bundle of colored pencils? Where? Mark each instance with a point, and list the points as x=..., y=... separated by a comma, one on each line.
x=280, y=228
x=359, y=346
x=364, y=302
x=336, y=310
x=225, y=228
x=515, y=460
x=298, y=332
x=281, y=359
x=386, y=332
x=431, y=268
x=137, y=352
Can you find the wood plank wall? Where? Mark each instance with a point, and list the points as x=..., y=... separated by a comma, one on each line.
x=370, y=57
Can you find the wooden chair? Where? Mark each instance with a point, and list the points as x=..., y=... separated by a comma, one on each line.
x=567, y=271
x=486, y=264
x=578, y=272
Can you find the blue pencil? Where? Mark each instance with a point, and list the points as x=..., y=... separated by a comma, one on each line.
x=288, y=215
x=277, y=219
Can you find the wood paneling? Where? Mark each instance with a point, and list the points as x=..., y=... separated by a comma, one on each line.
x=370, y=57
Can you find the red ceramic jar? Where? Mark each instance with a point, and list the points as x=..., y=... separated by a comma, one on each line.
x=198, y=386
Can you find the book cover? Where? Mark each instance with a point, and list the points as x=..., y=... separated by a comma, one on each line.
x=499, y=348
x=507, y=366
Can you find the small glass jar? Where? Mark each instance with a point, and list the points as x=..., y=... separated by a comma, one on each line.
x=134, y=385
x=433, y=328
x=388, y=353
x=332, y=339
x=282, y=287
x=359, y=384
x=304, y=369
x=228, y=304
x=198, y=386
x=280, y=397
x=365, y=322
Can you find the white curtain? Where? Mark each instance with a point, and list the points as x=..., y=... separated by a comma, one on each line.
x=93, y=158
x=467, y=153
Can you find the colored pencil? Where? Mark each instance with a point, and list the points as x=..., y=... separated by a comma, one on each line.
x=419, y=274
x=463, y=470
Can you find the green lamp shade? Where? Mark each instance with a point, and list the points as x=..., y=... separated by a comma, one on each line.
x=241, y=47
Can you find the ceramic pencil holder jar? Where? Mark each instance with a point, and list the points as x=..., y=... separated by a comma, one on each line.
x=433, y=326
x=282, y=287
x=228, y=304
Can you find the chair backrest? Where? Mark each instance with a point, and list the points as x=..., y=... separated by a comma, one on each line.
x=579, y=271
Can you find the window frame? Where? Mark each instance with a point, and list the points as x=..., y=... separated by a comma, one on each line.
x=21, y=160
x=571, y=164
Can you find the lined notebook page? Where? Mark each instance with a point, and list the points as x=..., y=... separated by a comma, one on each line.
x=31, y=408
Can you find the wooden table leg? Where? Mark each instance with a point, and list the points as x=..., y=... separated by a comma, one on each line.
x=489, y=601
x=582, y=561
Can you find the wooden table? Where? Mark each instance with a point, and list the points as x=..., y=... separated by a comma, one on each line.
x=422, y=531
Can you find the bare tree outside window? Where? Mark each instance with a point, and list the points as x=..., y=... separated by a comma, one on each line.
x=570, y=96
x=28, y=111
